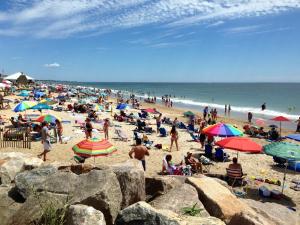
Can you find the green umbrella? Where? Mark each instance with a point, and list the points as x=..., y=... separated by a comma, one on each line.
x=188, y=114
x=285, y=150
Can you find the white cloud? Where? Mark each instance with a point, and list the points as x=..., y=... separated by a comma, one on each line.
x=63, y=18
x=52, y=65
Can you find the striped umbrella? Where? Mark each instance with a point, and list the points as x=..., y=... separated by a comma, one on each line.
x=22, y=106
x=48, y=118
x=94, y=147
x=222, y=130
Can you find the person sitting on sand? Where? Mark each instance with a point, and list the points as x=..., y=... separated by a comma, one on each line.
x=45, y=140
x=174, y=138
x=139, y=152
x=170, y=168
x=194, y=163
x=88, y=128
x=235, y=165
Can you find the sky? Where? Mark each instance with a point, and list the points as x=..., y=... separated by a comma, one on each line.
x=152, y=40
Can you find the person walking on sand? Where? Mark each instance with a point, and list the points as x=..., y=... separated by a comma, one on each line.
x=174, y=138
x=139, y=152
x=45, y=141
x=88, y=128
x=106, y=128
x=59, y=129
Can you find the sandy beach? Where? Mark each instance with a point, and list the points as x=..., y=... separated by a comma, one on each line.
x=255, y=165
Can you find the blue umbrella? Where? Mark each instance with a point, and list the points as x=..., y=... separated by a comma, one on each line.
x=41, y=106
x=39, y=94
x=295, y=137
x=122, y=106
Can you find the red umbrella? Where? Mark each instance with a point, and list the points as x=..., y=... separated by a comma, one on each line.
x=280, y=119
x=240, y=144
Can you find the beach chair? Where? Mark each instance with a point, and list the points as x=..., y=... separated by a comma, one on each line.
x=121, y=135
x=163, y=132
x=208, y=151
x=220, y=155
x=206, y=163
x=235, y=176
x=194, y=137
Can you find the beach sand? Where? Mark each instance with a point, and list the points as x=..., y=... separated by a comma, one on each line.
x=258, y=165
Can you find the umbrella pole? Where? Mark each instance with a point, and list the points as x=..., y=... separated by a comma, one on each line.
x=280, y=129
x=284, y=177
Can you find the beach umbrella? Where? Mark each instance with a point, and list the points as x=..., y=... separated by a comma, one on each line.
x=94, y=147
x=149, y=110
x=41, y=106
x=24, y=94
x=295, y=137
x=47, y=118
x=24, y=105
x=240, y=144
x=260, y=122
x=222, y=130
x=280, y=119
x=4, y=85
x=285, y=150
x=188, y=113
x=122, y=106
x=48, y=101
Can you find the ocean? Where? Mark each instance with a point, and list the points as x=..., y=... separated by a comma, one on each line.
x=280, y=98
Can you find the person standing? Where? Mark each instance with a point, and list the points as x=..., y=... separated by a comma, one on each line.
x=106, y=128
x=250, y=116
x=45, y=141
x=88, y=128
x=205, y=112
x=298, y=125
x=263, y=106
x=59, y=129
x=229, y=109
x=139, y=152
x=174, y=138
x=225, y=110
x=158, y=122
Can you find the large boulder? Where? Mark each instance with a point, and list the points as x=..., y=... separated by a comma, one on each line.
x=98, y=188
x=221, y=203
x=274, y=212
x=14, y=162
x=159, y=185
x=132, y=182
x=84, y=215
x=178, y=198
x=142, y=213
x=27, y=181
x=8, y=205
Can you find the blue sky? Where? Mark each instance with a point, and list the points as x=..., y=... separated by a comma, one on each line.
x=152, y=40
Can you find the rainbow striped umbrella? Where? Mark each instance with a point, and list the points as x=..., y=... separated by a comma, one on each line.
x=94, y=147
x=22, y=106
x=222, y=130
x=48, y=118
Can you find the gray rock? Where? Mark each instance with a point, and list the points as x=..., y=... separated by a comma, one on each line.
x=30, y=180
x=159, y=185
x=132, y=182
x=84, y=215
x=142, y=213
x=274, y=212
x=8, y=205
x=97, y=188
x=178, y=198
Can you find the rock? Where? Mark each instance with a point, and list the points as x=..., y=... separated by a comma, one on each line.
x=132, y=182
x=217, y=199
x=178, y=198
x=159, y=185
x=98, y=188
x=142, y=213
x=274, y=212
x=84, y=215
x=9, y=168
x=8, y=205
x=15, y=162
x=29, y=180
